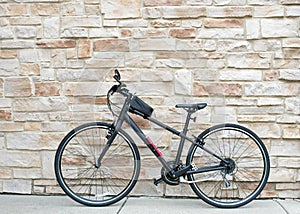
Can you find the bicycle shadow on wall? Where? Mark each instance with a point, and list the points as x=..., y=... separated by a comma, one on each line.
x=98, y=163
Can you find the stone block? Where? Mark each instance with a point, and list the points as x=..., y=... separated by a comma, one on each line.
x=268, y=11
x=41, y=104
x=11, y=127
x=47, y=89
x=5, y=173
x=16, y=44
x=20, y=159
x=183, y=12
x=104, y=32
x=17, y=186
x=111, y=45
x=165, y=23
x=69, y=22
x=170, y=63
x=56, y=43
x=84, y=49
x=292, y=105
x=229, y=11
x=72, y=8
x=33, y=141
x=291, y=131
x=5, y=103
x=253, y=29
x=157, y=44
x=293, y=11
x=120, y=9
x=266, y=130
x=139, y=60
x=290, y=2
x=153, y=89
x=45, y=9
x=266, y=101
x=256, y=118
x=157, y=75
x=291, y=42
x=285, y=148
x=282, y=175
x=183, y=82
x=249, y=60
x=221, y=33
x=269, y=45
x=17, y=87
x=242, y=75
x=223, y=23
x=291, y=53
x=270, y=89
x=217, y=89
x=153, y=3
x=8, y=54
x=30, y=69
x=6, y=33
x=151, y=12
x=47, y=164
x=274, y=28
x=51, y=27
x=29, y=173
x=86, y=88
x=190, y=45
x=9, y=67
x=14, y=9
x=5, y=115
x=105, y=63
x=136, y=23
x=25, y=32
x=289, y=74
x=34, y=56
x=183, y=33
x=34, y=20
x=290, y=162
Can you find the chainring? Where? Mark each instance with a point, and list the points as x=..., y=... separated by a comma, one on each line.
x=166, y=176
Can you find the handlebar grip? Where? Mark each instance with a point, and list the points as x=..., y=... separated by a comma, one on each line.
x=113, y=89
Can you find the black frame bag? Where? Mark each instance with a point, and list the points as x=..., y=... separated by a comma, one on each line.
x=139, y=107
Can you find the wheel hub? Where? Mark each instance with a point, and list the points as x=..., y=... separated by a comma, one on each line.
x=230, y=166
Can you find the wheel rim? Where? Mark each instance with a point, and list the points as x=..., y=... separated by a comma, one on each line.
x=92, y=185
x=244, y=176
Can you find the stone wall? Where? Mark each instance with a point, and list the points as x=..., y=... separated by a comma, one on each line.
x=57, y=57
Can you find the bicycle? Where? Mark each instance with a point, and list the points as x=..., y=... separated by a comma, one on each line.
x=98, y=164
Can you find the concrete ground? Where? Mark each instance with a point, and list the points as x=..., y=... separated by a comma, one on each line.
x=143, y=205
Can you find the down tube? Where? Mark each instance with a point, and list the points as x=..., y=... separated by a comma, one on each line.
x=148, y=142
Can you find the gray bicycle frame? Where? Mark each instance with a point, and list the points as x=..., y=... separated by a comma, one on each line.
x=186, y=170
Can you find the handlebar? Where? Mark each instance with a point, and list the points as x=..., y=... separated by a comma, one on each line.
x=120, y=88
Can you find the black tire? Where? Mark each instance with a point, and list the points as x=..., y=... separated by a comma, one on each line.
x=78, y=175
x=247, y=174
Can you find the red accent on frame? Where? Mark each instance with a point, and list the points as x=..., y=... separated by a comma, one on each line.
x=158, y=153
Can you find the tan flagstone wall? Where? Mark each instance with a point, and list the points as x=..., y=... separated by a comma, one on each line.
x=57, y=57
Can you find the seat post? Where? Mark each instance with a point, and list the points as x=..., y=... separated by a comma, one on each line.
x=184, y=132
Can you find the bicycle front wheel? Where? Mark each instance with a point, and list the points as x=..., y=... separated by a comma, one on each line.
x=88, y=183
x=245, y=175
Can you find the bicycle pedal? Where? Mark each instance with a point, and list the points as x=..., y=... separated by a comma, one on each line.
x=157, y=181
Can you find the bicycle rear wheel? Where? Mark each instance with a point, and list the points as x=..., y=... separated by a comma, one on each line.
x=244, y=177
x=76, y=171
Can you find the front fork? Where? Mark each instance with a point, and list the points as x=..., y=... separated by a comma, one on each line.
x=112, y=133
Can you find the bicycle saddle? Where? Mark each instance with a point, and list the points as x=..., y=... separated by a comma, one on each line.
x=197, y=106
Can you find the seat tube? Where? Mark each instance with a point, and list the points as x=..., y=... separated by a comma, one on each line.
x=182, y=139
